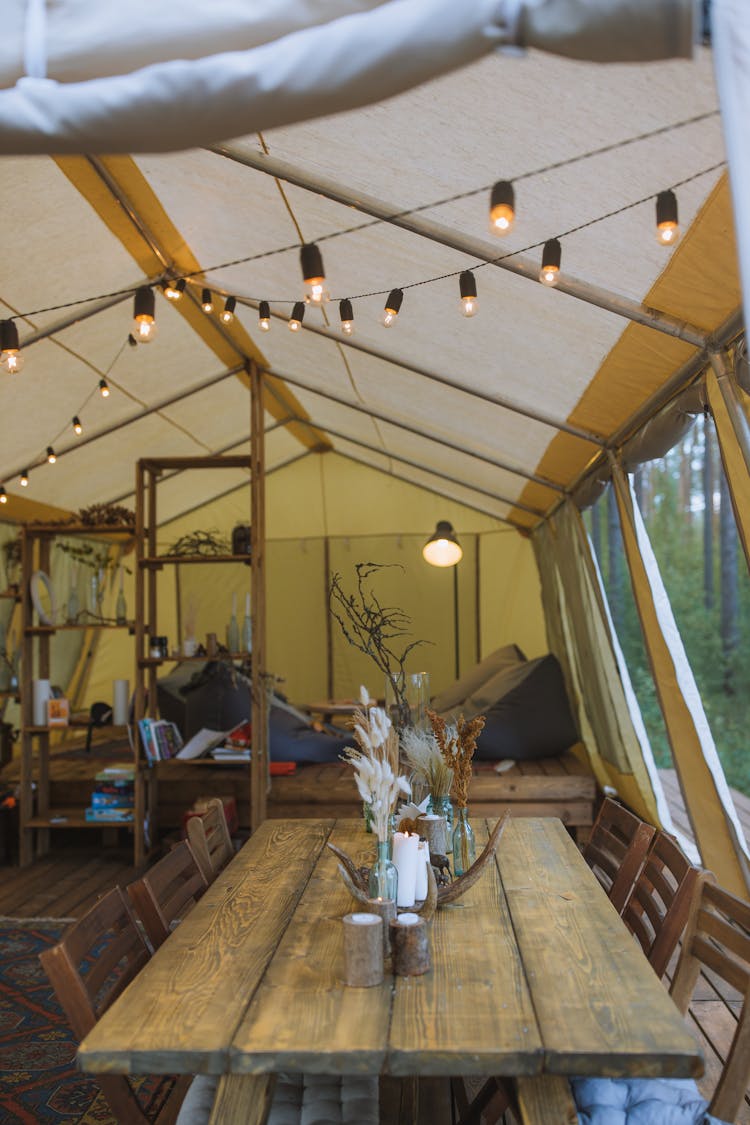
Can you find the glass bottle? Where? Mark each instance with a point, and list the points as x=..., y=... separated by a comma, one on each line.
x=121, y=609
x=441, y=806
x=418, y=698
x=383, y=881
x=233, y=630
x=74, y=607
x=93, y=605
x=464, y=850
x=247, y=627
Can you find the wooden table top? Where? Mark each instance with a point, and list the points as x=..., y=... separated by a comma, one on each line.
x=533, y=973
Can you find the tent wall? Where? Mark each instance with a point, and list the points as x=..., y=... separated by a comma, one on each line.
x=327, y=505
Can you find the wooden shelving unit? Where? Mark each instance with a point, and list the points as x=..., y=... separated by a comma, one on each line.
x=36, y=822
x=149, y=562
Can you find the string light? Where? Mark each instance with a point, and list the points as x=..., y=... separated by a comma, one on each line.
x=264, y=317
x=77, y=427
x=3, y=495
x=51, y=455
x=502, y=207
x=298, y=315
x=144, y=320
x=173, y=290
x=207, y=303
x=24, y=478
x=313, y=274
x=551, y=258
x=227, y=314
x=10, y=351
x=667, y=228
x=346, y=312
x=468, y=288
x=392, y=307
x=104, y=388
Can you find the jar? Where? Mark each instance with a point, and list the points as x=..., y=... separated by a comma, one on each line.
x=241, y=539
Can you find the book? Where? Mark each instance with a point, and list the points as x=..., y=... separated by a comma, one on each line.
x=202, y=743
x=58, y=712
x=112, y=800
x=161, y=739
x=118, y=771
x=115, y=816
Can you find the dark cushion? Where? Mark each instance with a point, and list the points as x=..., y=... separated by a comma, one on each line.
x=461, y=689
x=529, y=716
x=292, y=738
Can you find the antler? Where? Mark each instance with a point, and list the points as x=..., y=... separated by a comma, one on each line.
x=461, y=885
x=353, y=871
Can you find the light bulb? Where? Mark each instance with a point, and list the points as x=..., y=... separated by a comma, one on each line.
x=298, y=315
x=313, y=274
x=173, y=290
x=502, y=207
x=103, y=388
x=468, y=289
x=51, y=456
x=346, y=312
x=144, y=323
x=10, y=350
x=3, y=495
x=227, y=313
x=442, y=548
x=392, y=307
x=207, y=303
x=551, y=258
x=24, y=477
x=264, y=317
x=667, y=227
x=77, y=427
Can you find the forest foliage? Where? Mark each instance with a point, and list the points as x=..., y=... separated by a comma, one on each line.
x=687, y=510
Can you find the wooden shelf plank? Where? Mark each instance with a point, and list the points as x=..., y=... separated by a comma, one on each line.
x=45, y=630
x=81, y=529
x=73, y=818
x=161, y=560
x=11, y=595
x=155, y=661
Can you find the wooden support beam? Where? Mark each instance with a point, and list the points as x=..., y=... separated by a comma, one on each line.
x=259, y=775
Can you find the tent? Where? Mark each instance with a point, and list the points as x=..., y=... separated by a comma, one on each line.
x=503, y=423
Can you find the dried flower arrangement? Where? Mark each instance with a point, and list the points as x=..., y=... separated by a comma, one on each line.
x=375, y=763
x=457, y=745
x=199, y=542
x=374, y=629
x=420, y=751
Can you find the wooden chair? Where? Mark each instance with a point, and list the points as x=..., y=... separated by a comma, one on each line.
x=94, y=961
x=166, y=892
x=209, y=838
x=717, y=940
x=658, y=907
x=616, y=850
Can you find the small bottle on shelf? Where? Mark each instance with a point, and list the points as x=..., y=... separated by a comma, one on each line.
x=233, y=631
x=121, y=609
x=247, y=628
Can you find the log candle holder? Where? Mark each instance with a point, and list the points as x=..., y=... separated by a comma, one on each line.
x=410, y=947
x=363, y=950
x=434, y=828
x=386, y=908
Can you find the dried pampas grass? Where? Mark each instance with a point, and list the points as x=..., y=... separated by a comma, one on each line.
x=422, y=755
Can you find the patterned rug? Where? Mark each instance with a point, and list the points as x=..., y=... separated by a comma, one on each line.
x=39, y=1080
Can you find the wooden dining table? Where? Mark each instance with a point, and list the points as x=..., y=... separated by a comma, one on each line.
x=533, y=976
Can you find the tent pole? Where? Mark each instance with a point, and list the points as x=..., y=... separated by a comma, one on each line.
x=476, y=248
x=260, y=685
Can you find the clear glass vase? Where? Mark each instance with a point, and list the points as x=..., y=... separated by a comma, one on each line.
x=441, y=806
x=464, y=849
x=383, y=882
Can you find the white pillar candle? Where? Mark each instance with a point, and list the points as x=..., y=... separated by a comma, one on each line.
x=405, y=853
x=120, y=700
x=40, y=694
x=423, y=858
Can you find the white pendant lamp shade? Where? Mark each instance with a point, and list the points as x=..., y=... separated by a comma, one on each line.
x=442, y=548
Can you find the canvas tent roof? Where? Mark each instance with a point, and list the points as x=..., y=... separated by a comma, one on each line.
x=489, y=410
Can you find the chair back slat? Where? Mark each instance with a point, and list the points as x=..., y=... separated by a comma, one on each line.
x=167, y=892
x=658, y=908
x=209, y=838
x=716, y=939
x=616, y=850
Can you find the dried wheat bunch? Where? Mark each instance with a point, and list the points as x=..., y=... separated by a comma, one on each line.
x=421, y=753
x=457, y=745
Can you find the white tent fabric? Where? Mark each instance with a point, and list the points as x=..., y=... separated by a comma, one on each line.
x=352, y=61
x=730, y=34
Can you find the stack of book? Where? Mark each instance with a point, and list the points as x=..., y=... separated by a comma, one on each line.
x=113, y=798
x=161, y=740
